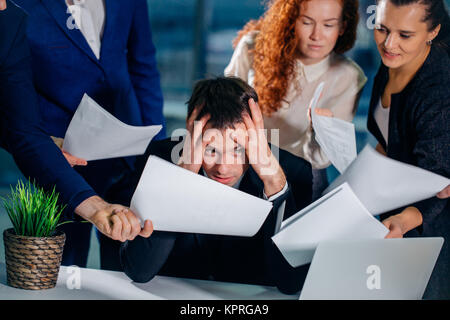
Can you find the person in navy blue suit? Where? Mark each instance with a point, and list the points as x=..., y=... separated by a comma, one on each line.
x=26, y=137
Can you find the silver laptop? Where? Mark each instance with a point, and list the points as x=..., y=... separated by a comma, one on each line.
x=371, y=269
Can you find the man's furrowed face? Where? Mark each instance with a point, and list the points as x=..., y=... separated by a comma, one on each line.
x=224, y=159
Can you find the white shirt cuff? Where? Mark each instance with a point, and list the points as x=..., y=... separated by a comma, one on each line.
x=276, y=195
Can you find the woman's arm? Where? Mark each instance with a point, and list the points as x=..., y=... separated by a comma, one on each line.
x=340, y=100
x=433, y=135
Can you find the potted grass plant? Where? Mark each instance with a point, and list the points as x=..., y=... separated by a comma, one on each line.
x=33, y=247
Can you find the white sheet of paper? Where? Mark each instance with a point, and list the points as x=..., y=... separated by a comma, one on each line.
x=178, y=200
x=95, y=134
x=335, y=137
x=338, y=215
x=383, y=184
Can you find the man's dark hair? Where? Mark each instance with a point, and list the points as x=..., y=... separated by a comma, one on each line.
x=225, y=99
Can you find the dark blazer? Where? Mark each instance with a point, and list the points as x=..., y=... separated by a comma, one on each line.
x=124, y=81
x=253, y=260
x=21, y=130
x=419, y=134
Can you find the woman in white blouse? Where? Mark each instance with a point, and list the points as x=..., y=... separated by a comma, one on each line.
x=286, y=53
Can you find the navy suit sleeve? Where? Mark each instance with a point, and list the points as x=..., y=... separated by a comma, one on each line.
x=143, y=69
x=143, y=258
x=286, y=278
x=21, y=132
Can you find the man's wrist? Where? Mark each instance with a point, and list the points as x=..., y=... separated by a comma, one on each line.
x=90, y=206
x=276, y=195
x=274, y=183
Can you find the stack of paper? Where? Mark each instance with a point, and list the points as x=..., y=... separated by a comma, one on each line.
x=95, y=134
x=178, y=200
x=338, y=215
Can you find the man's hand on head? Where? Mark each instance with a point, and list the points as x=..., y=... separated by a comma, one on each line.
x=113, y=220
x=2, y=4
x=259, y=154
x=194, y=144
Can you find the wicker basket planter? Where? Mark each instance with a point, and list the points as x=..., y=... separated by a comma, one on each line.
x=32, y=263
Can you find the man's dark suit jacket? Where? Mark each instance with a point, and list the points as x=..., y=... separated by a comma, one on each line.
x=253, y=260
x=21, y=130
x=419, y=134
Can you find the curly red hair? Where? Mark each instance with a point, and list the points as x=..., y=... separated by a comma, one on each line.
x=274, y=54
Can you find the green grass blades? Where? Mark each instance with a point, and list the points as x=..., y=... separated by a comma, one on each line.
x=32, y=211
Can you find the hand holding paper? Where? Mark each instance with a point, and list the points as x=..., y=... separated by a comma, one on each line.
x=338, y=215
x=95, y=134
x=72, y=160
x=401, y=223
x=178, y=200
x=113, y=220
x=444, y=193
x=336, y=137
x=383, y=184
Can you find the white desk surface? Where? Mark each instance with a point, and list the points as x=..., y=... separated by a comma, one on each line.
x=102, y=284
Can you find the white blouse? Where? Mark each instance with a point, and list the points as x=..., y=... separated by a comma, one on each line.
x=89, y=16
x=381, y=116
x=343, y=79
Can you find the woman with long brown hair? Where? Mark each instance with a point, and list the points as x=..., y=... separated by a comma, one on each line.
x=409, y=115
x=285, y=54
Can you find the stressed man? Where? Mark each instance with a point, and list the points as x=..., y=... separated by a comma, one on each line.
x=225, y=142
